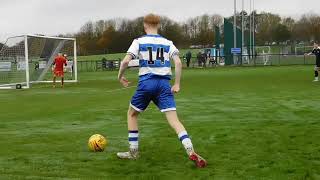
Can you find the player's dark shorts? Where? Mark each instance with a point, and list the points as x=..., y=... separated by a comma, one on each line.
x=58, y=73
x=317, y=66
x=157, y=90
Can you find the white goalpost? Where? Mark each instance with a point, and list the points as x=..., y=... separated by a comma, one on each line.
x=27, y=59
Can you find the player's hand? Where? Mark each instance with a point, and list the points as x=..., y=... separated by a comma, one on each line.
x=124, y=82
x=175, y=88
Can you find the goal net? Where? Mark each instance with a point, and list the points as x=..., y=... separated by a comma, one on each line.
x=26, y=60
x=301, y=50
x=263, y=50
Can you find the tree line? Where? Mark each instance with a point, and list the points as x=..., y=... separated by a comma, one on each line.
x=116, y=35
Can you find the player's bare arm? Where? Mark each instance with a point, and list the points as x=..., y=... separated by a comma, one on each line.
x=315, y=46
x=310, y=53
x=123, y=67
x=178, y=71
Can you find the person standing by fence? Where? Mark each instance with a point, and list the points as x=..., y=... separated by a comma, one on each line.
x=199, y=58
x=188, y=58
x=316, y=52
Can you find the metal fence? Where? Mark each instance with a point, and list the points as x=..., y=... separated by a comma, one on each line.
x=258, y=60
x=103, y=65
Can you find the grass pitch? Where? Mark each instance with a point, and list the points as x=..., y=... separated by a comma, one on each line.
x=249, y=123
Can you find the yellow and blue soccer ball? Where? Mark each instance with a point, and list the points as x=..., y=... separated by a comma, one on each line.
x=97, y=143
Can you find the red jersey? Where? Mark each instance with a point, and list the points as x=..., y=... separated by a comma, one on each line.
x=59, y=61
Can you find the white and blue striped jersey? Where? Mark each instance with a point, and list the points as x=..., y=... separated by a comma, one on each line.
x=154, y=53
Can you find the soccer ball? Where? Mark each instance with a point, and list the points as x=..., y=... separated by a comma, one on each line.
x=97, y=143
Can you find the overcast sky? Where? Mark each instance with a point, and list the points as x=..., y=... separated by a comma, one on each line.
x=53, y=17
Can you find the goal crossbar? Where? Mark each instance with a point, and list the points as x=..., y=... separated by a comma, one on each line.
x=51, y=37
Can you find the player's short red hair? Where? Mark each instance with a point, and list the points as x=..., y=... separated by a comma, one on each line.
x=152, y=19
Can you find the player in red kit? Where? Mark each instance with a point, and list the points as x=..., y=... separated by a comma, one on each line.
x=59, y=62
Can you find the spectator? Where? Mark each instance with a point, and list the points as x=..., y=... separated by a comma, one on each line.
x=207, y=58
x=199, y=58
x=188, y=58
x=203, y=58
x=36, y=66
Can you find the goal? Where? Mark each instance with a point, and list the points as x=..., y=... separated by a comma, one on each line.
x=27, y=60
x=301, y=50
x=263, y=50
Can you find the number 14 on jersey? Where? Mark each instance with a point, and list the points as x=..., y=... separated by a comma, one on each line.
x=159, y=56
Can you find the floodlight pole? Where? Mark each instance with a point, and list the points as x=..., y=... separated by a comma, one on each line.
x=235, y=28
x=253, y=30
x=242, y=29
x=235, y=25
x=250, y=30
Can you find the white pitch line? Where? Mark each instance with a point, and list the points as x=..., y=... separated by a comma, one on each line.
x=114, y=90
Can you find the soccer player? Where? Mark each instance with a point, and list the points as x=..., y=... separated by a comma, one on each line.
x=154, y=53
x=316, y=52
x=58, y=64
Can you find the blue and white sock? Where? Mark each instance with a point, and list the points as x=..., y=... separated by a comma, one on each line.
x=186, y=141
x=133, y=139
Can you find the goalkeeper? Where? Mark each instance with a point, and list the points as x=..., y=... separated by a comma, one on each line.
x=59, y=62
